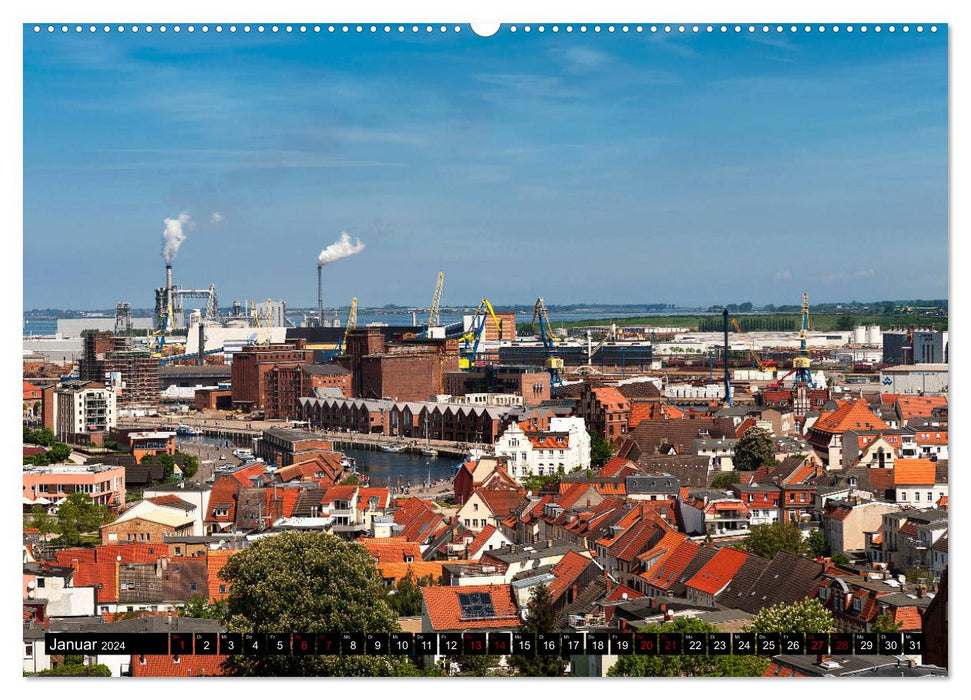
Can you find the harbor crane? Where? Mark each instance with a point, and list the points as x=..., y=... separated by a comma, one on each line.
x=435, y=308
x=553, y=364
x=762, y=365
x=469, y=341
x=351, y=323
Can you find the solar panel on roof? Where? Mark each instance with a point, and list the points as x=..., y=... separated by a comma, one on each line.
x=476, y=606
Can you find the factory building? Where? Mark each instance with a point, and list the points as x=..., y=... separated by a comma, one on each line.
x=902, y=347
x=915, y=379
x=630, y=356
x=251, y=367
x=532, y=383
x=402, y=370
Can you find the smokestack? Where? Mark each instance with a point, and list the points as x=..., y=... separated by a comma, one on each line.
x=202, y=343
x=320, y=295
x=168, y=289
x=728, y=381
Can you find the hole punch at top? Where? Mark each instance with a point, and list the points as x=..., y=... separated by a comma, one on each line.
x=485, y=29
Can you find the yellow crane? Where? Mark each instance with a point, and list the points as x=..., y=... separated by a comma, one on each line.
x=763, y=366
x=261, y=322
x=351, y=323
x=469, y=342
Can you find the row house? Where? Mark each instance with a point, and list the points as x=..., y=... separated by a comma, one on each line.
x=712, y=578
x=562, y=449
x=638, y=531
x=713, y=513
x=856, y=602
x=931, y=444
x=762, y=501
x=345, y=415
x=522, y=525
x=605, y=410
x=488, y=507
x=845, y=522
x=919, y=482
x=484, y=473
x=581, y=526
x=826, y=435
x=907, y=536
x=721, y=451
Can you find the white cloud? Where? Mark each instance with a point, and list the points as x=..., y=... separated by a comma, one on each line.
x=216, y=218
x=783, y=275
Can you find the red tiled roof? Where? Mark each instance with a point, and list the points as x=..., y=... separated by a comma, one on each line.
x=32, y=450
x=566, y=571
x=881, y=479
x=166, y=666
x=215, y=560
x=338, y=493
x=926, y=436
x=909, y=618
x=419, y=519
x=480, y=540
x=665, y=573
x=103, y=576
x=617, y=466
x=365, y=493
x=622, y=592
x=500, y=501
x=419, y=569
x=919, y=406
x=914, y=472
x=853, y=415
x=391, y=550
x=780, y=670
x=611, y=398
x=224, y=494
x=718, y=572
x=243, y=475
x=444, y=612
x=744, y=427
x=168, y=499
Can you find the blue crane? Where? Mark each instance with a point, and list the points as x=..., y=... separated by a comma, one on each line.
x=553, y=364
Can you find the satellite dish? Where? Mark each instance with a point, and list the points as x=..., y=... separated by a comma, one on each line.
x=30, y=594
x=31, y=585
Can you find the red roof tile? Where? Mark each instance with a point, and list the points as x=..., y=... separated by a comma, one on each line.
x=444, y=612
x=914, y=472
x=854, y=415
x=665, y=573
x=391, y=550
x=167, y=666
x=718, y=572
x=566, y=571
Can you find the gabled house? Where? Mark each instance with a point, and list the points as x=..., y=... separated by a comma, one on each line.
x=488, y=507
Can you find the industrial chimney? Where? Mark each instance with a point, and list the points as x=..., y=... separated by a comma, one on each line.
x=168, y=289
x=320, y=295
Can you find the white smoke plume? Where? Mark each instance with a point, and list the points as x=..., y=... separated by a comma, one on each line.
x=340, y=248
x=174, y=234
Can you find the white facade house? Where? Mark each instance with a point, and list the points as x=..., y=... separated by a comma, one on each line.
x=83, y=407
x=564, y=448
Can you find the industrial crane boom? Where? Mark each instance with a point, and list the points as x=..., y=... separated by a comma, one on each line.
x=351, y=323
x=755, y=355
x=434, y=309
x=553, y=364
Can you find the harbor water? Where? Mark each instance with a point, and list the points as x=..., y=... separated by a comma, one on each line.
x=393, y=469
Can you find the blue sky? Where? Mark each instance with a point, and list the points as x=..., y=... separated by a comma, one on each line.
x=614, y=168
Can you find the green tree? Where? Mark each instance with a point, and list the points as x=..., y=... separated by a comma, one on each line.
x=687, y=665
x=540, y=617
x=406, y=598
x=846, y=323
x=535, y=482
x=840, y=559
x=351, y=480
x=168, y=465
x=600, y=450
x=198, y=606
x=42, y=520
x=886, y=623
x=725, y=479
x=311, y=582
x=768, y=540
x=807, y=615
x=754, y=449
x=190, y=466
x=147, y=460
x=817, y=544
x=99, y=670
x=58, y=452
x=78, y=515
x=475, y=665
x=917, y=573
